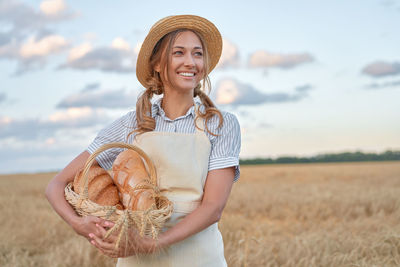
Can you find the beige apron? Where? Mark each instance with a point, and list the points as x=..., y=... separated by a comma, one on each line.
x=182, y=166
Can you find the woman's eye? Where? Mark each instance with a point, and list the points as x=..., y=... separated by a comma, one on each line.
x=199, y=54
x=178, y=53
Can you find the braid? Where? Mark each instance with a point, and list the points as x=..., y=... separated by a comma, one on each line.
x=145, y=122
x=143, y=118
x=210, y=109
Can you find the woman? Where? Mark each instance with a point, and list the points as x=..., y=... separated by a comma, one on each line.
x=193, y=145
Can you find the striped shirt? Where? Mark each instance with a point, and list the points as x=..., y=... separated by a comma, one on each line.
x=225, y=147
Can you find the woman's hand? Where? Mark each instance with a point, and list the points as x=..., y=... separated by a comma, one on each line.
x=86, y=225
x=130, y=245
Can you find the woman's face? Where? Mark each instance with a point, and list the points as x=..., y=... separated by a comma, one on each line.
x=185, y=64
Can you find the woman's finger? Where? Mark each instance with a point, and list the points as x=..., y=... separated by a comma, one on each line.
x=101, y=230
x=99, y=242
x=112, y=254
x=111, y=238
x=107, y=224
x=107, y=250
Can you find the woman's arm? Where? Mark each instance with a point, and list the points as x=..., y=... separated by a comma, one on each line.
x=216, y=192
x=55, y=195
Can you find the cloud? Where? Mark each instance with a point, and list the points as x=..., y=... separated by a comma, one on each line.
x=79, y=51
x=9, y=47
x=390, y=4
x=381, y=69
x=119, y=57
x=24, y=17
x=3, y=97
x=33, y=128
x=91, y=87
x=43, y=47
x=33, y=53
x=229, y=56
x=26, y=38
x=4, y=38
x=99, y=98
x=303, y=88
x=50, y=154
x=53, y=7
x=20, y=16
x=74, y=117
x=231, y=92
x=263, y=58
x=121, y=44
x=383, y=85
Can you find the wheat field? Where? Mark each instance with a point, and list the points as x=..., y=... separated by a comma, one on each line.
x=334, y=214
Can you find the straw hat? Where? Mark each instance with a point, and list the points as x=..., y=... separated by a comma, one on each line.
x=207, y=29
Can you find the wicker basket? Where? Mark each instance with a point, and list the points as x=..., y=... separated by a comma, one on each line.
x=148, y=223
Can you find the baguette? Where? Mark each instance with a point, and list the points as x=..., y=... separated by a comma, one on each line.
x=128, y=172
x=101, y=187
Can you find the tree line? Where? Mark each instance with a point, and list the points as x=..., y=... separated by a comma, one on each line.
x=337, y=157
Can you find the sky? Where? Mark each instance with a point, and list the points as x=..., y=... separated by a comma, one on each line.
x=302, y=77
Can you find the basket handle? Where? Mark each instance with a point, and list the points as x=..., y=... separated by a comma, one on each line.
x=92, y=157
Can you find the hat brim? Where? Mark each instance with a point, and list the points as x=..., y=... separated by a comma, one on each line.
x=204, y=27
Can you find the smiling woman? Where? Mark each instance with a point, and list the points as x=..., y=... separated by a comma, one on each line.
x=179, y=60
x=185, y=61
x=193, y=145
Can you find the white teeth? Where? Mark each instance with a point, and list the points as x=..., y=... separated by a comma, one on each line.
x=187, y=74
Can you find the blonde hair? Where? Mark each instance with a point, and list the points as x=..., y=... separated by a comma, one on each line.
x=154, y=85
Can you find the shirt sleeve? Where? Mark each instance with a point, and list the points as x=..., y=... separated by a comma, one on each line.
x=225, y=148
x=117, y=131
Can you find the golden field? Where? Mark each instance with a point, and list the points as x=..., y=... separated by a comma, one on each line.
x=334, y=214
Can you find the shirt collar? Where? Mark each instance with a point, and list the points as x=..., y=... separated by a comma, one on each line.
x=157, y=110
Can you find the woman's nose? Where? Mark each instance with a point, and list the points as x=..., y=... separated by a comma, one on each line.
x=189, y=61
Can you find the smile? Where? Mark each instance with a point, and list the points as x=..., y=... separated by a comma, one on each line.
x=187, y=74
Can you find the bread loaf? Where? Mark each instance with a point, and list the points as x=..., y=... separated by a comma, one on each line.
x=101, y=187
x=129, y=172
